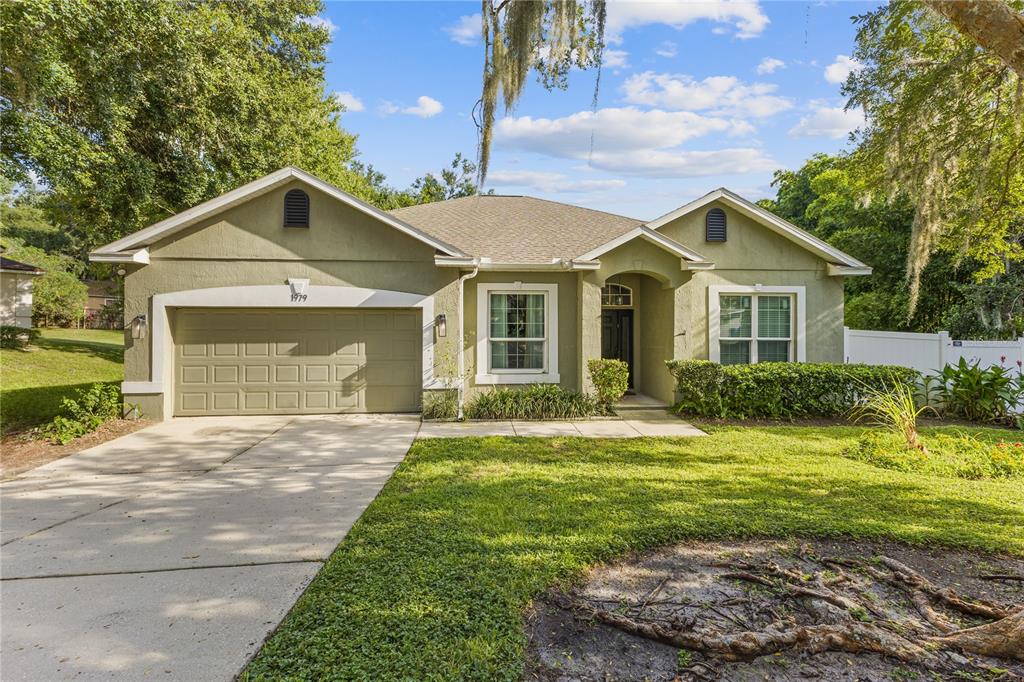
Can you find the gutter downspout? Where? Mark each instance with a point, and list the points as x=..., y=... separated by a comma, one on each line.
x=461, y=335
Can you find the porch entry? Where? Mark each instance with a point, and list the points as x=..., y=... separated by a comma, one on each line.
x=617, y=337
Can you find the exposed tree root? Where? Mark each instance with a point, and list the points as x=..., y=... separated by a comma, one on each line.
x=849, y=613
x=1003, y=638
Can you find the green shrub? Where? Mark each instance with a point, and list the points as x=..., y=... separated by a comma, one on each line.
x=610, y=379
x=536, y=401
x=17, y=337
x=777, y=390
x=443, y=404
x=92, y=408
x=976, y=393
x=958, y=455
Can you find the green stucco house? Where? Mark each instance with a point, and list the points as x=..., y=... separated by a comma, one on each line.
x=288, y=295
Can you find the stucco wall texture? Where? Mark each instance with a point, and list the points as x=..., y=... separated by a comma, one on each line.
x=247, y=245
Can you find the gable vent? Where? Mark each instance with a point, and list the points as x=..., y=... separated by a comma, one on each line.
x=296, y=208
x=714, y=224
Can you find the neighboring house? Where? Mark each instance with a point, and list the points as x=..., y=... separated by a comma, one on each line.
x=102, y=295
x=16, y=292
x=288, y=295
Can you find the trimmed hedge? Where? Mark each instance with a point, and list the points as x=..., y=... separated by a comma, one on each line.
x=777, y=390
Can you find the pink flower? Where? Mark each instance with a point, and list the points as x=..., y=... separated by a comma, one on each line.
x=1002, y=359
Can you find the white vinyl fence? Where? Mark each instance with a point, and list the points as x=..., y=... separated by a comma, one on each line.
x=927, y=353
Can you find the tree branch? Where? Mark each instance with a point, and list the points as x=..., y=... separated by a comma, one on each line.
x=989, y=23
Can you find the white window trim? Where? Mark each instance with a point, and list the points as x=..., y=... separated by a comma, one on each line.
x=484, y=374
x=714, y=316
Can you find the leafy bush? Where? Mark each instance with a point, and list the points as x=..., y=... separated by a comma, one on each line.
x=536, y=401
x=443, y=404
x=949, y=455
x=778, y=390
x=611, y=379
x=895, y=409
x=17, y=337
x=91, y=409
x=976, y=393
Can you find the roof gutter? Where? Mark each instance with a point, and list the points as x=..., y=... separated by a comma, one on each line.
x=557, y=264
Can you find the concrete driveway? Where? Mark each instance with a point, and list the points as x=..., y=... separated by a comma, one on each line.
x=172, y=552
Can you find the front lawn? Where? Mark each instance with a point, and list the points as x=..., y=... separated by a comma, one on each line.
x=63, y=360
x=432, y=581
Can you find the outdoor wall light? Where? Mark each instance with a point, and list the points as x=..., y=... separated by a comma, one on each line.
x=442, y=326
x=139, y=327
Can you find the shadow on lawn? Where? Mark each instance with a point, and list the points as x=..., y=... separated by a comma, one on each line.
x=114, y=352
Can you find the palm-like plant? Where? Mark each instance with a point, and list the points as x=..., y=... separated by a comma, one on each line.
x=895, y=408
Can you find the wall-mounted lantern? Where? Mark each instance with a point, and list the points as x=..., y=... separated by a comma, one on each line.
x=139, y=327
x=442, y=326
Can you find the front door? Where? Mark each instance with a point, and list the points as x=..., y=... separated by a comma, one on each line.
x=617, y=337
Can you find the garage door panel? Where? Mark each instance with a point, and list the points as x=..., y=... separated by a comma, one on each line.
x=233, y=361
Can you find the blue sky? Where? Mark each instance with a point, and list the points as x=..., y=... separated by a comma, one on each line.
x=694, y=96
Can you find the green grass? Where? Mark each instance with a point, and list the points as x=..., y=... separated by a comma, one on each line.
x=957, y=453
x=35, y=381
x=432, y=581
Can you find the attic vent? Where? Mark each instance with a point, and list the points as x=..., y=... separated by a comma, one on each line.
x=296, y=208
x=714, y=225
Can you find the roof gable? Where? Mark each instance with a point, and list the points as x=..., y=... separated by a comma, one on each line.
x=165, y=228
x=846, y=264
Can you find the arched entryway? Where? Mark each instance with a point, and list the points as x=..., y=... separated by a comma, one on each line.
x=637, y=324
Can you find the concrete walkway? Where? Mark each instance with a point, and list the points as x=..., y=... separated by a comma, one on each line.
x=172, y=552
x=631, y=423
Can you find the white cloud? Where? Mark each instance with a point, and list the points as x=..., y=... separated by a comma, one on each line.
x=686, y=164
x=745, y=16
x=349, y=101
x=616, y=59
x=770, y=65
x=719, y=95
x=549, y=182
x=425, y=107
x=827, y=121
x=465, y=31
x=320, y=22
x=840, y=69
x=631, y=141
x=667, y=49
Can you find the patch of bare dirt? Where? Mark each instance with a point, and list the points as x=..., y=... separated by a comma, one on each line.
x=23, y=452
x=793, y=610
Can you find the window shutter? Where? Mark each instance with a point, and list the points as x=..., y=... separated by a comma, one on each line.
x=714, y=224
x=296, y=209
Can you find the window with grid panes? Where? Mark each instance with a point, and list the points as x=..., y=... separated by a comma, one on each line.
x=755, y=328
x=518, y=333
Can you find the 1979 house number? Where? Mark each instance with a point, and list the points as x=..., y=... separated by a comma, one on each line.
x=298, y=298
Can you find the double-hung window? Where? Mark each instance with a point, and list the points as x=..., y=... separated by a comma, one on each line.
x=516, y=335
x=755, y=327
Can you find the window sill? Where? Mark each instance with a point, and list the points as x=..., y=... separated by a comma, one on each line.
x=531, y=378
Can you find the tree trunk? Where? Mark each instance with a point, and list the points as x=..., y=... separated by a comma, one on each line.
x=989, y=23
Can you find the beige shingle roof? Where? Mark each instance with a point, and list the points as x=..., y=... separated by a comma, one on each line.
x=516, y=229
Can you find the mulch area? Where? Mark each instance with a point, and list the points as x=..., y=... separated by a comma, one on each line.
x=25, y=451
x=784, y=610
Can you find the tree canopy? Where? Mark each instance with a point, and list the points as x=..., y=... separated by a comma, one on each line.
x=945, y=129
x=131, y=110
x=826, y=197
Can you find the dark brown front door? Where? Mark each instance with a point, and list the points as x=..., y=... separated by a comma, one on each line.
x=617, y=337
